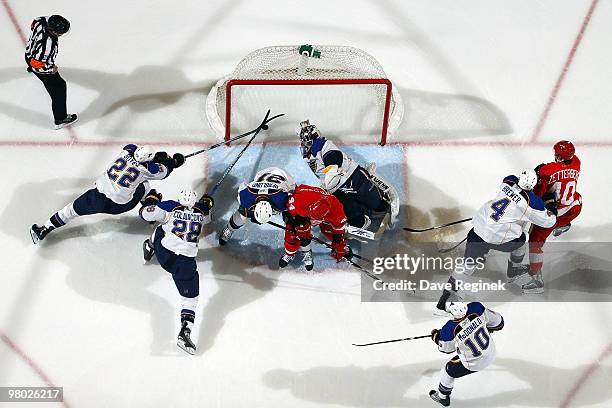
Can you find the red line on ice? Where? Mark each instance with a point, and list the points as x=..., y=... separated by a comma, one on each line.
x=11, y=16
x=26, y=359
x=586, y=375
x=566, y=66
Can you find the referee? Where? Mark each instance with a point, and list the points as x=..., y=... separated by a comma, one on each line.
x=40, y=54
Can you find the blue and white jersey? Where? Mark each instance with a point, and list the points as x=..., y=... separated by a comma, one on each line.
x=182, y=227
x=120, y=181
x=272, y=183
x=471, y=338
x=325, y=153
x=504, y=218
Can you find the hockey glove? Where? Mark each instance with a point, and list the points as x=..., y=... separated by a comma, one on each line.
x=152, y=198
x=160, y=157
x=435, y=335
x=550, y=203
x=338, y=247
x=179, y=160
x=207, y=201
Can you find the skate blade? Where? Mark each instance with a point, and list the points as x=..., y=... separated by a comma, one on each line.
x=186, y=348
x=63, y=125
x=35, y=239
x=536, y=291
x=440, y=313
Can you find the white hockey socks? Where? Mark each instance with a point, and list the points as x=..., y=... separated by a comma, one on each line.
x=62, y=217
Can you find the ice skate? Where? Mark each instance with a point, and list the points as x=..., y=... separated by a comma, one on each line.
x=514, y=272
x=225, y=235
x=285, y=260
x=308, y=260
x=184, y=340
x=147, y=250
x=561, y=230
x=435, y=395
x=536, y=285
x=67, y=121
x=39, y=233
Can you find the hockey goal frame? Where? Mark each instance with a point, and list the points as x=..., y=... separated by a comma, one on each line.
x=358, y=81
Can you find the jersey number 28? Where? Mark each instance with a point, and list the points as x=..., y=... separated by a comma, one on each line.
x=187, y=230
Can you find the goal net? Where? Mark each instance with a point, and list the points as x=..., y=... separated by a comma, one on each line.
x=342, y=90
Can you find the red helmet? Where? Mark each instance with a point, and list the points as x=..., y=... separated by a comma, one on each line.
x=319, y=209
x=564, y=150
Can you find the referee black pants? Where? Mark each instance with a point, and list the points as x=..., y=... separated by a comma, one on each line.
x=56, y=87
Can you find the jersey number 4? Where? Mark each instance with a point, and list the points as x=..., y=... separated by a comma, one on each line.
x=121, y=174
x=499, y=208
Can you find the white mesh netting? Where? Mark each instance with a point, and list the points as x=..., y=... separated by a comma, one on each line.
x=354, y=110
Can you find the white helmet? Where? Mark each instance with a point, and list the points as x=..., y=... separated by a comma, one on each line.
x=527, y=179
x=144, y=153
x=333, y=177
x=263, y=212
x=457, y=309
x=187, y=197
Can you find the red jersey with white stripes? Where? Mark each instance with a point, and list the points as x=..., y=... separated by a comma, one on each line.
x=306, y=196
x=561, y=180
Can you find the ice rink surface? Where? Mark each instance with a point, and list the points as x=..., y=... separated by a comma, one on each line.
x=488, y=87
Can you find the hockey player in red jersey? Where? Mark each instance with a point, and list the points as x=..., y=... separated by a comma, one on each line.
x=557, y=184
x=311, y=206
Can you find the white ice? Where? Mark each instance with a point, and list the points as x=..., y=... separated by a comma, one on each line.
x=472, y=74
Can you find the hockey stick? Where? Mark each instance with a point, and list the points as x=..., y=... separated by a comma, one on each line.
x=437, y=227
x=445, y=250
x=360, y=232
x=233, y=139
x=356, y=265
x=263, y=125
x=320, y=241
x=393, y=341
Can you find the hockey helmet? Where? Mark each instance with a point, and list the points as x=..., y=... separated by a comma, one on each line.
x=58, y=24
x=144, y=153
x=564, y=151
x=457, y=309
x=187, y=197
x=319, y=209
x=263, y=211
x=307, y=134
x=527, y=179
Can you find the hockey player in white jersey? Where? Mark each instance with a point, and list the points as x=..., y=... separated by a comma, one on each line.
x=363, y=194
x=175, y=245
x=469, y=335
x=259, y=200
x=499, y=225
x=118, y=190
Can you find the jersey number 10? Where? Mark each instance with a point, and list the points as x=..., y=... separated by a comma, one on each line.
x=481, y=337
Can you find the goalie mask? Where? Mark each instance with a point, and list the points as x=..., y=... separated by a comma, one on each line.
x=307, y=133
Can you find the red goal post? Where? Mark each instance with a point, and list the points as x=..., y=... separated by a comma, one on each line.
x=343, y=90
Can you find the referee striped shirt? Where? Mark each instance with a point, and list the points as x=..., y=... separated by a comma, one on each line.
x=41, y=48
